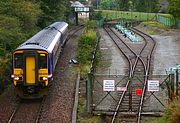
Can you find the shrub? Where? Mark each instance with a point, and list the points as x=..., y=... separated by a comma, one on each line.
x=172, y=113
x=86, y=47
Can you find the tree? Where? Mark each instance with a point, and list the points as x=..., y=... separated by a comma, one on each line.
x=107, y=4
x=54, y=10
x=174, y=8
x=18, y=21
x=26, y=12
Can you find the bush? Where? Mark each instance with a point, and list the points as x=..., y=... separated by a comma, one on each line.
x=90, y=25
x=172, y=113
x=5, y=68
x=86, y=47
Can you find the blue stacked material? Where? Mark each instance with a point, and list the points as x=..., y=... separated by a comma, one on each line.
x=127, y=33
x=173, y=69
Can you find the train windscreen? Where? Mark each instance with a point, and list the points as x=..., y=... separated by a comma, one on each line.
x=42, y=61
x=18, y=60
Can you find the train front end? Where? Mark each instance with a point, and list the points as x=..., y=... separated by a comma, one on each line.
x=30, y=73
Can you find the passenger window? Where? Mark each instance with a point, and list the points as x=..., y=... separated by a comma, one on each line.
x=42, y=61
x=18, y=60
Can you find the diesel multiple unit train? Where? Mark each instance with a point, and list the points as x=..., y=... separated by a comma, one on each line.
x=34, y=61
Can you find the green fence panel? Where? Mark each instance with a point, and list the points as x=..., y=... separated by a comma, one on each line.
x=178, y=23
x=100, y=22
x=165, y=20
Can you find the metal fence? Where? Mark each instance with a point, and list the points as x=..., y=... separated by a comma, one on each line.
x=99, y=101
x=167, y=21
x=177, y=23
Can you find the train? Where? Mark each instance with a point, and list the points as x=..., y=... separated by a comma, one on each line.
x=34, y=61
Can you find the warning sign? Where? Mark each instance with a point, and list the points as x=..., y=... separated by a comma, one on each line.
x=153, y=85
x=121, y=89
x=108, y=85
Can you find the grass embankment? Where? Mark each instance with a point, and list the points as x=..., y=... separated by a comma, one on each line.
x=153, y=27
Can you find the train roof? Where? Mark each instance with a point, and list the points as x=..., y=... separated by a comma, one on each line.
x=46, y=38
x=60, y=26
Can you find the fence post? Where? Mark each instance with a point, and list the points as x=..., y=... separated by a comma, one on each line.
x=177, y=82
x=172, y=86
x=89, y=93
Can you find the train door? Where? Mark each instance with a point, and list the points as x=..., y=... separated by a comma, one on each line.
x=30, y=69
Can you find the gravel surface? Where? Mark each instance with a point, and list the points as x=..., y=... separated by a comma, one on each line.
x=27, y=111
x=167, y=52
x=7, y=104
x=111, y=57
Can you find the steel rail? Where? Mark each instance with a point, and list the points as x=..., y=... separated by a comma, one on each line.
x=131, y=71
x=40, y=110
x=127, y=84
x=146, y=69
x=147, y=72
x=13, y=114
x=137, y=55
x=73, y=31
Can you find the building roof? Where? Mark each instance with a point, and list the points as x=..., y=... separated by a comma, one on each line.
x=77, y=4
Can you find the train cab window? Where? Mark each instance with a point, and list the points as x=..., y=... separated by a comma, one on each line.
x=42, y=61
x=18, y=60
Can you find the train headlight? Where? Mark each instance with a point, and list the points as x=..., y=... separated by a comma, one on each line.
x=43, y=78
x=16, y=78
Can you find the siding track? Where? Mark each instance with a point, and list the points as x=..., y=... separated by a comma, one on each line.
x=139, y=60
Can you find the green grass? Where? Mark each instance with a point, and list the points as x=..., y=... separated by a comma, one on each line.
x=139, y=16
x=83, y=116
x=155, y=24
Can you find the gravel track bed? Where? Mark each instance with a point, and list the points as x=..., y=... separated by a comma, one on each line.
x=27, y=111
x=59, y=103
x=7, y=104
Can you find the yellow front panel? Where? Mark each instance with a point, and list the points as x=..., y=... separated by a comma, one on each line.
x=43, y=73
x=19, y=73
x=30, y=70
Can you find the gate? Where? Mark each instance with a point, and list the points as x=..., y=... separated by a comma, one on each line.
x=100, y=101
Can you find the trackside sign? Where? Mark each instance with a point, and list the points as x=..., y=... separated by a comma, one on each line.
x=153, y=85
x=108, y=85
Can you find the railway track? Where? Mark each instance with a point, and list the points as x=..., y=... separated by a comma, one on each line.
x=129, y=106
x=74, y=30
x=27, y=111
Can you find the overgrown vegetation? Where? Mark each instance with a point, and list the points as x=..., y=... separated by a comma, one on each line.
x=155, y=24
x=171, y=114
x=86, y=47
